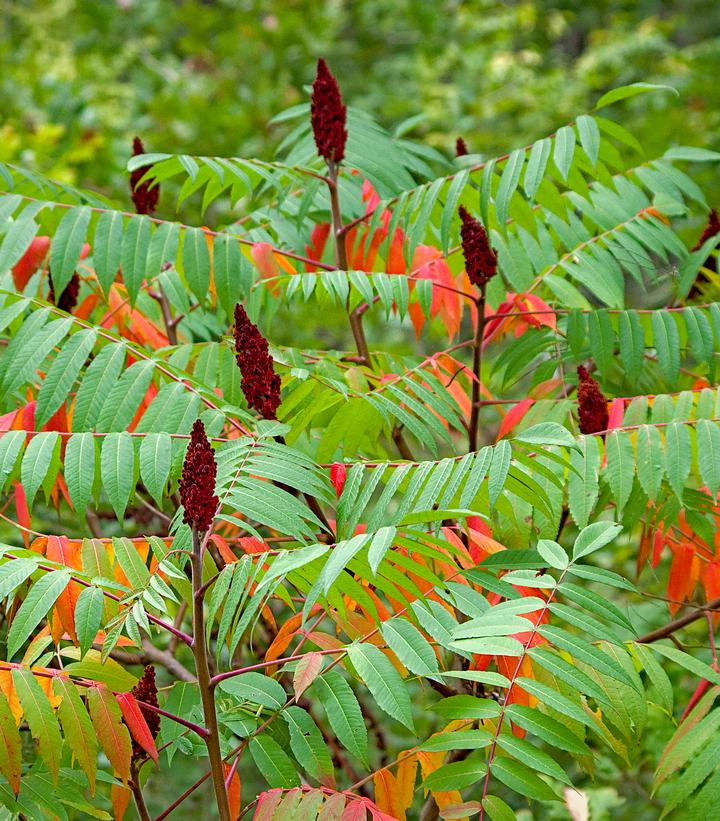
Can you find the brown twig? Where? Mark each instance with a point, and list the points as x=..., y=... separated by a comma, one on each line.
x=667, y=631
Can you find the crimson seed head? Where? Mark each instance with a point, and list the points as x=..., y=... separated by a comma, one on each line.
x=260, y=384
x=197, y=483
x=328, y=115
x=461, y=148
x=480, y=256
x=69, y=297
x=592, y=405
x=144, y=197
x=711, y=229
x=146, y=690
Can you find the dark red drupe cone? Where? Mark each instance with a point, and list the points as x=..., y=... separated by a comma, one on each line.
x=69, y=297
x=480, y=256
x=328, y=115
x=144, y=197
x=260, y=384
x=197, y=482
x=146, y=690
x=461, y=148
x=592, y=404
x=711, y=229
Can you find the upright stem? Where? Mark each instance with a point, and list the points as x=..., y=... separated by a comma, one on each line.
x=477, y=363
x=142, y=809
x=207, y=693
x=355, y=318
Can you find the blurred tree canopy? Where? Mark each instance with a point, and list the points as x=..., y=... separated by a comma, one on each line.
x=81, y=78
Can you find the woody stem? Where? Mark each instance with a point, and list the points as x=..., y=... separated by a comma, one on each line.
x=202, y=669
x=477, y=363
x=142, y=809
x=355, y=318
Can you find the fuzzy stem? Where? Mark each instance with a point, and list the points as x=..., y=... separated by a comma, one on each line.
x=142, y=809
x=212, y=740
x=355, y=318
x=477, y=364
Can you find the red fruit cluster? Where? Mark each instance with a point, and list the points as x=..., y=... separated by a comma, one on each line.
x=144, y=197
x=197, y=482
x=328, y=115
x=480, y=256
x=146, y=690
x=260, y=384
x=69, y=297
x=592, y=404
x=461, y=148
x=711, y=229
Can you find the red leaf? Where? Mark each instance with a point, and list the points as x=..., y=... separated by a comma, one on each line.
x=267, y=802
x=355, y=811
x=338, y=472
x=135, y=720
x=617, y=411
x=23, y=514
x=514, y=416
x=306, y=672
x=30, y=261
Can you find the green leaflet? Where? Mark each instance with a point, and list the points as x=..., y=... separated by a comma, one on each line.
x=521, y=779
x=62, y=374
x=273, y=762
x=196, y=262
x=117, y=470
x=76, y=725
x=383, y=681
x=100, y=377
x=343, y=713
x=40, y=718
x=410, y=646
x=135, y=246
x=67, y=244
x=36, y=605
x=88, y=616
x=155, y=463
x=307, y=743
x=107, y=248
x=40, y=463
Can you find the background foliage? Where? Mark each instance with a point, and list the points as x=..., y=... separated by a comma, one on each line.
x=206, y=79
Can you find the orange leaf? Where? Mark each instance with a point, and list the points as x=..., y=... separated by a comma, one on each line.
x=61, y=550
x=429, y=762
x=120, y=797
x=405, y=779
x=233, y=790
x=112, y=734
x=135, y=720
x=680, y=580
x=8, y=690
x=386, y=794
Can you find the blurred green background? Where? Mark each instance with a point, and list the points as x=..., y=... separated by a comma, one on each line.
x=80, y=78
